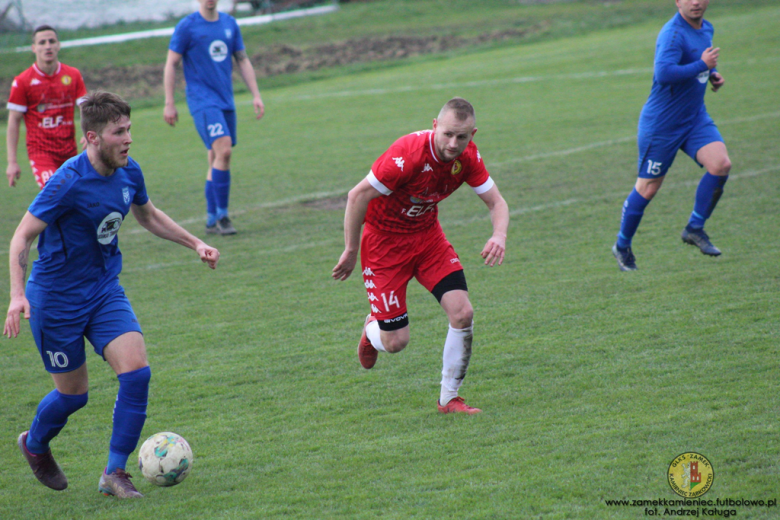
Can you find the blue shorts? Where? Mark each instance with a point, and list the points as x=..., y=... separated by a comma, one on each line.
x=59, y=328
x=658, y=149
x=213, y=123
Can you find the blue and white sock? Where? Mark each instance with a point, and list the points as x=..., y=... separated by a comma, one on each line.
x=211, y=204
x=221, y=183
x=51, y=417
x=633, y=210
x=707, y=195
x=129, y=416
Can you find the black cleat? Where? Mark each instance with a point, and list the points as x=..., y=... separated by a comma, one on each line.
x=225, y=227
x=698, y=238
x=625, y=258
x=44, y=467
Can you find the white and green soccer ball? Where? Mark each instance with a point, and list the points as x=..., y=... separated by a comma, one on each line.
x=165, y=459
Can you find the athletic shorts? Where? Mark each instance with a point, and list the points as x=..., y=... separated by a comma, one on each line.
x=59, y=328
x=44, y=167
x=658, y=149
x=390, y=260
x=213, y=123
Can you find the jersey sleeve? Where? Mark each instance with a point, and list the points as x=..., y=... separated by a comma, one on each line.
x=17, y=100
x=238, y=41
x=80, y=88
x=478, y=177
x=669, y=53
x=392, y=169
x=141, y=197
x=181, y=37
x=54, y=199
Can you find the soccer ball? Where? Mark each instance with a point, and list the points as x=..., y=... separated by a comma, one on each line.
x=165, y=459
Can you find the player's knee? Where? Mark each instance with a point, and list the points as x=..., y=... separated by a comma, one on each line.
x=722, y=167
x=463, y=318
x=395, y=343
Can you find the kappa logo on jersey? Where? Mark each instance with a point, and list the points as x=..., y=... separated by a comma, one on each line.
x=370, y=284
x=703, y=77
x=218, y=50
x=372, y=297
x=479, y=157
x=35, y=81
x=399, y=161
x=427, y=168
x=374, y=309
x=66, y=80
x=457, y=167
x=126, y=194
x=108, y=229
x=368, y=272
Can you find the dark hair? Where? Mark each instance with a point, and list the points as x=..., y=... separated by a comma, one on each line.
x=42, y=28
x=462, y=108
x=100, y=108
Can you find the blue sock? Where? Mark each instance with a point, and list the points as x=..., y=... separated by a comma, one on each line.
x=633, y=209
x=211, y=204
x=707, y=195
x=51, y=417
x=129, y=416
x=221, y=183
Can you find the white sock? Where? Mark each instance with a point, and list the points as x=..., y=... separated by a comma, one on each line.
x=457, y=353
x=374, y=336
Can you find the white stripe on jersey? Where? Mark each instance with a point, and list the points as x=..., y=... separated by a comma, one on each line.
x=15, y=107
x=381, y=188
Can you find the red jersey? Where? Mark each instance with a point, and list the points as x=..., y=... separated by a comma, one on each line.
x=415, y=180
x=48, y=103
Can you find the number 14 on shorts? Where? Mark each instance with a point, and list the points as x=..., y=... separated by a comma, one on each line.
x=391, y=300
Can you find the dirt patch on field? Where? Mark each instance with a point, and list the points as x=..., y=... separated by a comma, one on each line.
x=329, y=203
x=142, y=81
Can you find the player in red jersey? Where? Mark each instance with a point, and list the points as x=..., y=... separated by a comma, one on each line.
x=45, y=96
x=402, y=238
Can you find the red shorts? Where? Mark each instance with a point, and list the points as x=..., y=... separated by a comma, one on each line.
x=43, y=168
x=390, y=260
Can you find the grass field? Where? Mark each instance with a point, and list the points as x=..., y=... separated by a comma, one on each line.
x=591, y=380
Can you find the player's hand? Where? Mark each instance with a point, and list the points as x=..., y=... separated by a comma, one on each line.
x=19, y=306
x=717, y=81
x=257, y=103
x=171, y=115
x=345, y=266
x=710, y=57
x=494, y=250
x=13, y=172
x=208, y=255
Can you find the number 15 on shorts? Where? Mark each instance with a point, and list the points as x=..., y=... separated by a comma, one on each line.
x=392, y=300
x=653, y=167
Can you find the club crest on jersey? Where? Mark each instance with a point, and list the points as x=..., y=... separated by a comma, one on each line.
x=704, y=77
x=108, y=229
x=126, y=194
x=41, y=107
x=66, y=80
x=457, y=167
x=218, y=50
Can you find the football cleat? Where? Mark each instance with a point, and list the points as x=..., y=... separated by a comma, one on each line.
x=698, y=238
x=212, y=229
x=225, y=226
x=367, y=354
x=118, y=484
x=457, y=405
x=625, y=258
x=44, y=467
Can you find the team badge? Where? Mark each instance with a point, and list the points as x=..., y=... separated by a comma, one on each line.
x=690, y=475
x=457, y=167
x=66, y=80
x=415, y=200
x=126, y=194
x=41, y=107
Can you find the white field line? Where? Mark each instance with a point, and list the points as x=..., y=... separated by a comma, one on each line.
x=168, y=31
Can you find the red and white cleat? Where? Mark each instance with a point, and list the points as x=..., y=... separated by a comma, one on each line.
x=367, y=354
x=457, y=405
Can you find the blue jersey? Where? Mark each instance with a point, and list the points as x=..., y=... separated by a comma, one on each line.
x=207, y=48
x=680, y=76
x=78, y=252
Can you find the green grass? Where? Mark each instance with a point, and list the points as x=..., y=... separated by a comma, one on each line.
x=592, y=380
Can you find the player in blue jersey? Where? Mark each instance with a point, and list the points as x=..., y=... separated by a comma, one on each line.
x=73, y=290
x=675, y=118
x=205, y=41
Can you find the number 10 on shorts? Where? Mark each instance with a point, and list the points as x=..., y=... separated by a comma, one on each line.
x=392, y=300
